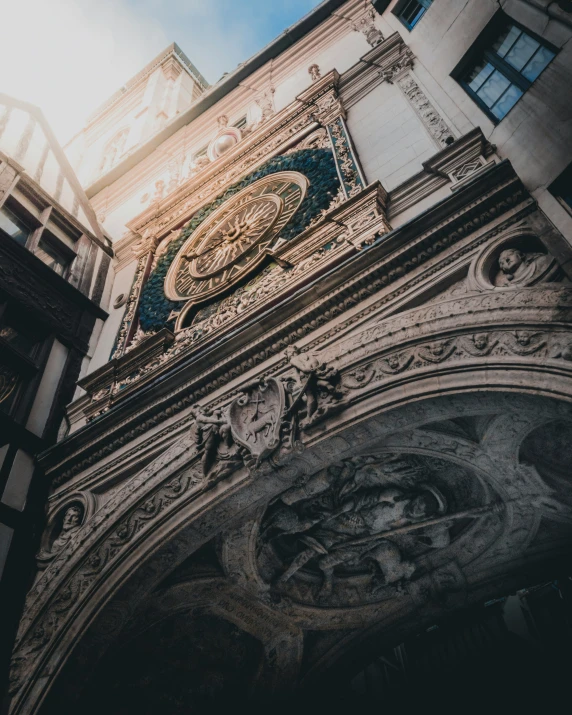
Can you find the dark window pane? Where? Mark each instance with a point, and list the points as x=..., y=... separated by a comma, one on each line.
x=52, y=257
x=537, y=63
x=17, y=339
x=493, y=88
x=521, y=52
x=506, y=101
x=413, y=11
x=562, y=187
x=8, y=388
x=14, y=226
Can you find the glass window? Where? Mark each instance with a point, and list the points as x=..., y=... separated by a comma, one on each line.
x=14, y=226
x=502, y=65
x=412, y=11
x=23, y=342
x=52, y=257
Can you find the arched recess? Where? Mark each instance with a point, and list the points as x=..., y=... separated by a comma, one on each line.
x=518, y=413
x=165, y=513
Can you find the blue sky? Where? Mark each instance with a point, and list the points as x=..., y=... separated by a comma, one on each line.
x=68, y=56
x=219, y=34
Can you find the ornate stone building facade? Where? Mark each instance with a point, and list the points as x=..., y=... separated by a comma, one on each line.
x=331, y=406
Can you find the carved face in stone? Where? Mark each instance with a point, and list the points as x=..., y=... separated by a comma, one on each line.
x=72, y=518
x=393, y=362
x=481, y=341
x=423, y=506
x=510, y=260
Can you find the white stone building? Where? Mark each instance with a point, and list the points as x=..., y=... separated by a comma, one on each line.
x=331, y=402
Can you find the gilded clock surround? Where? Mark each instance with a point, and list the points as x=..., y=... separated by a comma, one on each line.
x=235, y=238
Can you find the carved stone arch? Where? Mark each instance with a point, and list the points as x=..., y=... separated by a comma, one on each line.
x=168, y=514
x=281, y=639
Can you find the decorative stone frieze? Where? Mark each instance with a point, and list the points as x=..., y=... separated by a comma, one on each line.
x=432, y=120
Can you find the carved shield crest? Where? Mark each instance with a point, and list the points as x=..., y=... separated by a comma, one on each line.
x=255, y=417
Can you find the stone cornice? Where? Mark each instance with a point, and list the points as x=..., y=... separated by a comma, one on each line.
x=380, y=64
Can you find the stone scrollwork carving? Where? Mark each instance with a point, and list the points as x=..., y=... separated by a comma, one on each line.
x=537, y=345
x=433, y=121
x=349, y=170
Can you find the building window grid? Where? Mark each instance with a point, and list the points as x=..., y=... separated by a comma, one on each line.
x=412, y=11
x=32, y=234
x=507, y=66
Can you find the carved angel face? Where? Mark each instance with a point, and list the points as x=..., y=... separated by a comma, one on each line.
x=510, y=260
x=393, y=362
x=480, y=340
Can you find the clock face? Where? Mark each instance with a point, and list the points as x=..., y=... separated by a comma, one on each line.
x=234, y=239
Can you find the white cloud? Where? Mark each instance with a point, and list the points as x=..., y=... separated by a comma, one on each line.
x=68, y=56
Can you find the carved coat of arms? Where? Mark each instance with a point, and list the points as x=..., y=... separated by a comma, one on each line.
x=255, y=417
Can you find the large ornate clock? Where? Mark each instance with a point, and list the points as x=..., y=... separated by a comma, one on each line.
x=235, y=238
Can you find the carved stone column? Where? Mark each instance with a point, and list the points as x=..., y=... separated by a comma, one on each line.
x=144, y=251
x=330, y=113
x=400, y=73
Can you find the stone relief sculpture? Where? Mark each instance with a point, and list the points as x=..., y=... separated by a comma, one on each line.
x=314, y=72
x=350, y=532
x=71, y=524
x=220, y=456
x=518, y=268
x=318, y=383
x=64, y=526
x=266, y=416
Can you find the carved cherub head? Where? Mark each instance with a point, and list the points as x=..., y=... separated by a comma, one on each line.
x=393, y=361
x=437, y=348
x=480, y=341
x=423, y=506
x=510, y=260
